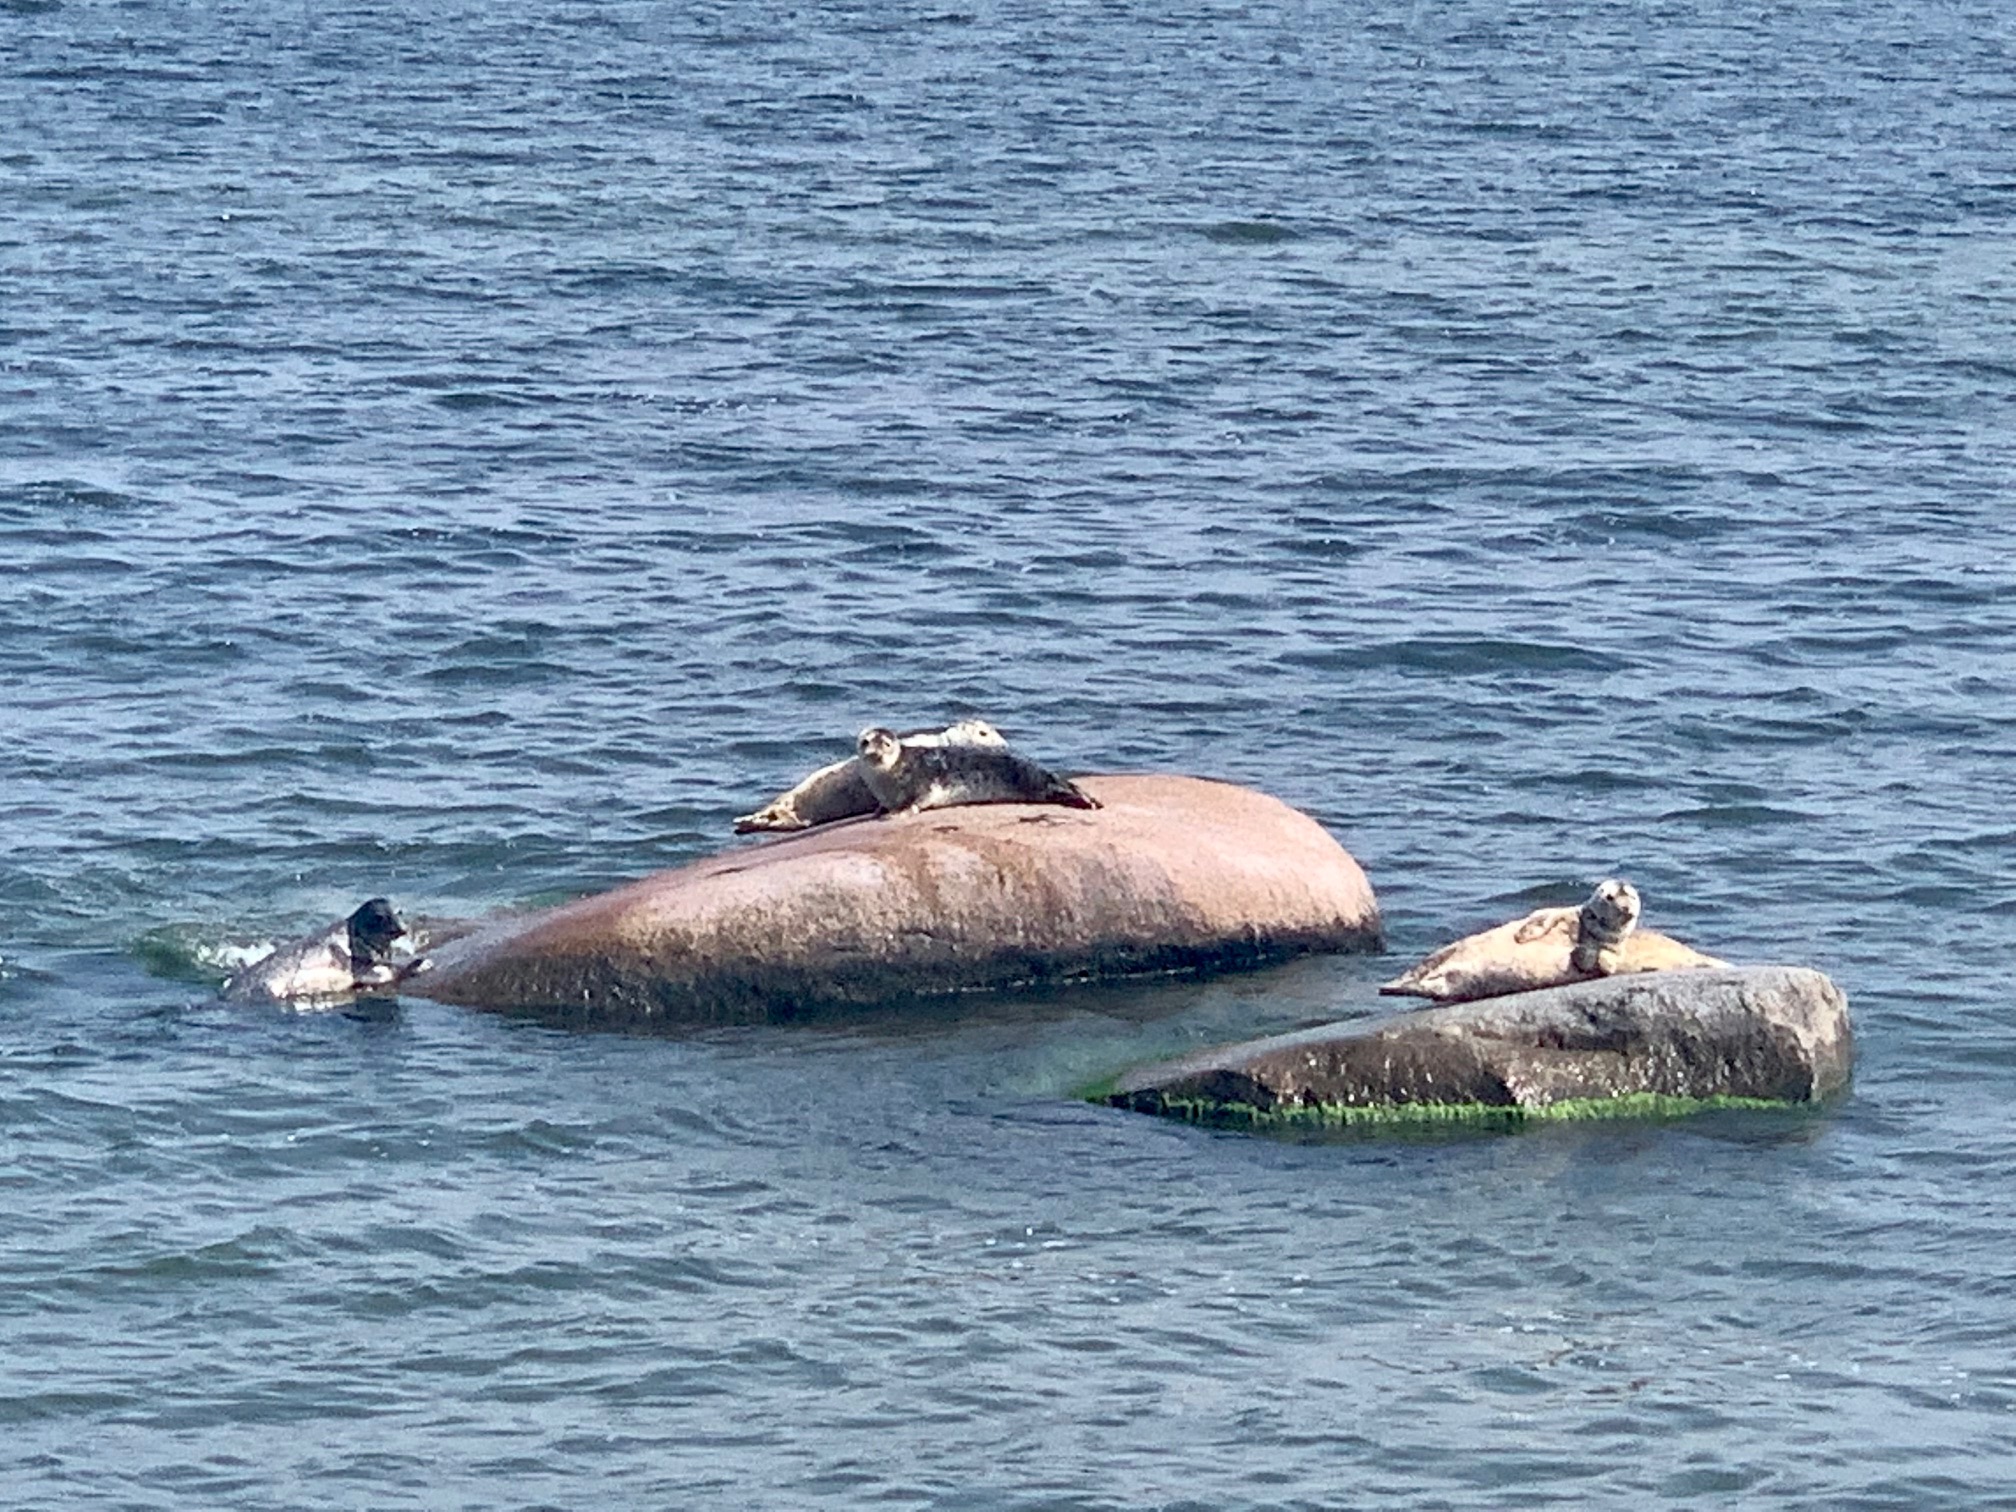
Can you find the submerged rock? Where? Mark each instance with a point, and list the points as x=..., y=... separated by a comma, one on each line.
x=1169, y=874
x=1653, y=1042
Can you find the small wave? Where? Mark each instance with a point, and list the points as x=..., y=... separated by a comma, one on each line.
x=1458, y=656
x=1556, y=892
x=1259, y=233
x=1739, y=815
x=203, y=953
x=45, y=495
x=256, y=1253
x=480, y=399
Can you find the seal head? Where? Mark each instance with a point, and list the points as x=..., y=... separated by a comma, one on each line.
x=373, y=928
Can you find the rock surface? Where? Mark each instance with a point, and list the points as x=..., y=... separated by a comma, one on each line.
x=1171, y=874
x=1654, y=1042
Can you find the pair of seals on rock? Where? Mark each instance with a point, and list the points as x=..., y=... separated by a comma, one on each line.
x=346, y=959
x=841, y=791
x=1549, y=948
x=889, y=773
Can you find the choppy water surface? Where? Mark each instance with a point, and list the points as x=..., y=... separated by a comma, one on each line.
x=472, y=452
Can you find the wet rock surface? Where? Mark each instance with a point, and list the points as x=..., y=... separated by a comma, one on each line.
x=1170, y=874
x=1771, y=1034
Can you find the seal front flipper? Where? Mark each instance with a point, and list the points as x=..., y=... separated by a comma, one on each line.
x=1543, y=922
x=389, y=976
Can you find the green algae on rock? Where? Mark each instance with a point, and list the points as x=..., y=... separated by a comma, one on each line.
x=1655, y=1045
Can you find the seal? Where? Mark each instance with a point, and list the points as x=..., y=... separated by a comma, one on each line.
x=908, y=778
x=840, y=791
x=348, y=958
x=833, y=792
x=1550, y=947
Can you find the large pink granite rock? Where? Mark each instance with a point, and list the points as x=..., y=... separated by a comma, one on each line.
x=1171, y=874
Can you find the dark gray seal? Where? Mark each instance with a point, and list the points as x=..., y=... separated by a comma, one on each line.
x=349, y=958
x=906, y=778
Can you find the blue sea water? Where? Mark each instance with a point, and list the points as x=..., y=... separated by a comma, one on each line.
x=471, y=452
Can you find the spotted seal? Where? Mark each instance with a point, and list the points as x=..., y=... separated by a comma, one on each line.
x=840, y=792
x=1548, y=948
x=349, y=957
x=906, y=778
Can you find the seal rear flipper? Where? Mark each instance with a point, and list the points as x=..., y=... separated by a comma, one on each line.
x=1427, y=977
x=1422, y=980
x=770, y=819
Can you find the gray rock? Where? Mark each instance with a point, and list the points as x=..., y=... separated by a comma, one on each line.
x=1654, y=1042
x=1170, y=874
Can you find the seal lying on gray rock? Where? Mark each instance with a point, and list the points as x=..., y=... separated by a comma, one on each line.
x=906, y=778
x=840, y=792
x=1549, y=948
x=350, y=957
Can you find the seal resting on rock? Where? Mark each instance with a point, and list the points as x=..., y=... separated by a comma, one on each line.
x=840, y=792
x=349, y=957
x=907, y=778
x=1549, y=948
